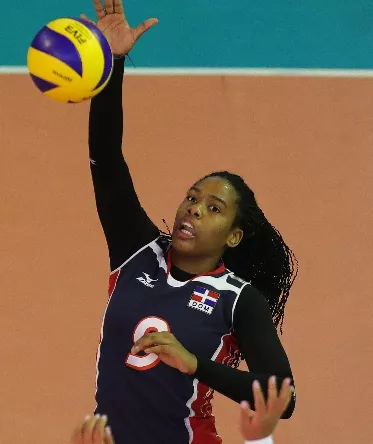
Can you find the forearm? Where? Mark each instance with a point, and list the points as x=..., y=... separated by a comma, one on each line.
x=236, y=384
x=106, y=120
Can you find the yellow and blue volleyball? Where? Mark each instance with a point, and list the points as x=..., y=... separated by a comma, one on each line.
x=70, y=60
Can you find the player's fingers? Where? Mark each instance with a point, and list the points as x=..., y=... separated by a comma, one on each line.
x=151, y=339
x=143, y=27
x=109, y=6
x=260, y=405
x=285, y=395
x=118, y=7
x=100, y=10
x=285, y=387
x=246, y=412
x=98, y=430
x=141, y=344
x=272, y=393
x=108, y=436
x=87, y=429
x=155, y=349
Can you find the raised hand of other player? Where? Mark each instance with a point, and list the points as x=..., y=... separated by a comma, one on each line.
x=93, y=430
x=113, y=23
x=262, y=422
x=168, y=349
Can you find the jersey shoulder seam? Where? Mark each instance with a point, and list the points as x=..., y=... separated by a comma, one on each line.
x=134, y=255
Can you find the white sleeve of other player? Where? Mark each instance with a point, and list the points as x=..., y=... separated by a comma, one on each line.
x=267, y=440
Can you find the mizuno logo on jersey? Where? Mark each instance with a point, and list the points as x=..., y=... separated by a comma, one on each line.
x=147, y=280
x=203, y=300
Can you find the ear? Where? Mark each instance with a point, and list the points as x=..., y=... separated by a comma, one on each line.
x=234, y=238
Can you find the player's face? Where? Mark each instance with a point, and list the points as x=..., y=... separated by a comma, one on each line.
x=203, y=223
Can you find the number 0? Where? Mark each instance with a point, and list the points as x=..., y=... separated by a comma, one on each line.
x=146, y=325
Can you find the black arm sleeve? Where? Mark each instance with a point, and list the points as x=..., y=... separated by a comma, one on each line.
x=261, y=347
x=126, y=226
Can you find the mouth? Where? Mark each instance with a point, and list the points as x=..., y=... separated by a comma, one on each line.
x=186, y=230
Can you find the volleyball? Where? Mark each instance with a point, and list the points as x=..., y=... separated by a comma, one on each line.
x=70, y=60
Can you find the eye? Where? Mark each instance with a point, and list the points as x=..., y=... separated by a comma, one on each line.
x=191, y=199
x=214, y=209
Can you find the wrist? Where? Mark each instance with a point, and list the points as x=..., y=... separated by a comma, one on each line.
x=192, y=367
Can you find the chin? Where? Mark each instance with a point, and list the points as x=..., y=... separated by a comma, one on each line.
x=182, y=246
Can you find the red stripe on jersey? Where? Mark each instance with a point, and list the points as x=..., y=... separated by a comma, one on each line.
x=113, y=282
x=203, y=421
x=113, y=279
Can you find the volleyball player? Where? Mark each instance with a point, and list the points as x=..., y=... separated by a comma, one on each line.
x=186, y=307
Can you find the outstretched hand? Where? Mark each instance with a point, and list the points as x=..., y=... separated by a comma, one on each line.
x=112, y=22
x=262, y=422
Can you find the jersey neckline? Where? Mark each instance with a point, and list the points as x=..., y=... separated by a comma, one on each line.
x=182, y=276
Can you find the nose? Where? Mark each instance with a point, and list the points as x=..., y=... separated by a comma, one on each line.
x=195, y=210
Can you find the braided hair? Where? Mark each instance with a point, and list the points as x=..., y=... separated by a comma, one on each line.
x=262, y=257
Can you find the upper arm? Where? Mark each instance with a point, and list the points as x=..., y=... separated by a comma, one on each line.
x=257, y=336
x=125, y=223
x=259, y=342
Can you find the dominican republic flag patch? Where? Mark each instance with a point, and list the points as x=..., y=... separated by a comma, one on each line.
x=203, y=300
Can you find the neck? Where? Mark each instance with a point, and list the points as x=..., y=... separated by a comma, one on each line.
x=194, y=265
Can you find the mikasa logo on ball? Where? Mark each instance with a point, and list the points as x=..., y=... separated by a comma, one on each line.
x=76, y=34
x=68, y=79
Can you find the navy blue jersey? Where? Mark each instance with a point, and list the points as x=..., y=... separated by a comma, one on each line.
x=145, y=297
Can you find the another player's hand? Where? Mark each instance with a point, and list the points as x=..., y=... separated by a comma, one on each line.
x=93, y=430
x=113, y=23
x=262, y=422
x=168, y=349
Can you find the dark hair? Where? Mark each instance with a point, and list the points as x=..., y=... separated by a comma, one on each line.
x=262, y=257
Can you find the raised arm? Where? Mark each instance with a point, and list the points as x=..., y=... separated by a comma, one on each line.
x=125, y=223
